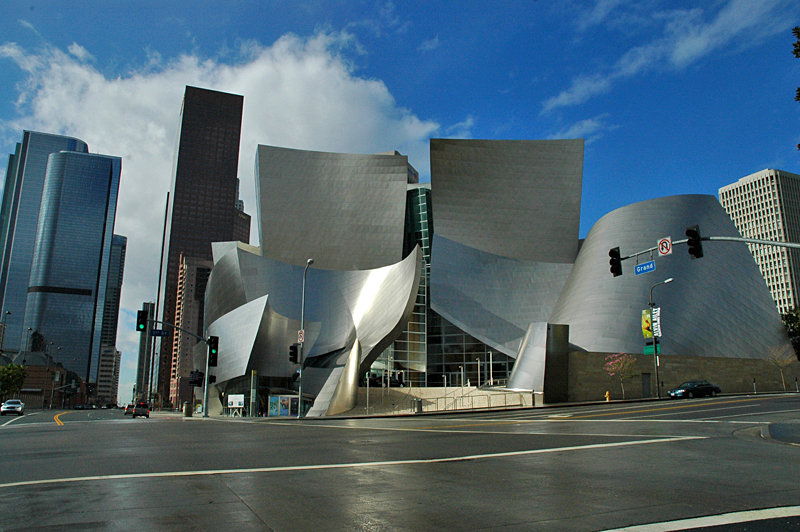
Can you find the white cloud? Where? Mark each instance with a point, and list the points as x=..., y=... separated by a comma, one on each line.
x=430, y=44
x=597, y=15
x=299, y=93
x=685, y=39
x=589, y=129
x=461, y=130
x=80, y=53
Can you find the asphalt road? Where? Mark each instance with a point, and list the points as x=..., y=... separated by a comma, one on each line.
x=593, y=467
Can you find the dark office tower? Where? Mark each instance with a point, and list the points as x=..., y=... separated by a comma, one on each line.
x=202, y=203
x=22, y=198
x=72, y=255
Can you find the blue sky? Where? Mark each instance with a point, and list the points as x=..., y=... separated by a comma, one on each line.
x=672, y=97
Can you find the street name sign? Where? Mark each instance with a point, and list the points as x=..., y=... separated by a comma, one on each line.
x=158, y=332
x=645, y=267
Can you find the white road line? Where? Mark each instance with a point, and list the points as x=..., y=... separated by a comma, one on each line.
x=12, y=420
x=754, y=414
x=696, y=411
x=314, y=467
x=715, y=520
x=457, y=430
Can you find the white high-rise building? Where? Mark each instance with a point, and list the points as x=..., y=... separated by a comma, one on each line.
x=766, y=206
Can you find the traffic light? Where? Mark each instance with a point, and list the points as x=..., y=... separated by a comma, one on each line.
x=294, y=351
x=694, y=241
x=213, y=349
x=141, y=320
x=615, y=262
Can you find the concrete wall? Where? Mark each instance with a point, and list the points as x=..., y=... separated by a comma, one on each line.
x=589, y=382
x=402, y=400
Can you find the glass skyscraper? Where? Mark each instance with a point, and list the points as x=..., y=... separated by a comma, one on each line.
x=22, y=198
x=69, y=272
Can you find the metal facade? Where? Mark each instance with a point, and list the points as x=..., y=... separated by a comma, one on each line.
x=513, y=198
x=345, y=210
x=717, y=306
x=253, y=305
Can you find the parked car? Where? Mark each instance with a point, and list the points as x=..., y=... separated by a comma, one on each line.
x=141, y=409
x=12, y=406
x=128, y=409
x=695, y=389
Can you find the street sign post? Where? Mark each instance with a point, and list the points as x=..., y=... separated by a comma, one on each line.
x=645, y=267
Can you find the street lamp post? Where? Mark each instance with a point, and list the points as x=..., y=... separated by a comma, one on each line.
x=25, y=354
x=478, y=363
x=5, y=325
x=655, y=338
x=302, y=339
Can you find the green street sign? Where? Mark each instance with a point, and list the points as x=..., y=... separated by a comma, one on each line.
x=648, y=349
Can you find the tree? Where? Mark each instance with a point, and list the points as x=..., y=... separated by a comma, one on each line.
x=781, y=357
x=621, y=366
x=11, y=378
x=791, y=320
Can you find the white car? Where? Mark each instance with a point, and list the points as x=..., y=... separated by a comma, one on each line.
x=12, y=406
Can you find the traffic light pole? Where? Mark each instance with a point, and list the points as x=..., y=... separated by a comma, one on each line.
x=205, y=382
x=208, y=356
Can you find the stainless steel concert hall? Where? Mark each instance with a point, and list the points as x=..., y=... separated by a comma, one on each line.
x=504, y=267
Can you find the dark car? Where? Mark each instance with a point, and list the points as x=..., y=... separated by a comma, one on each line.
x=128, y=409
x=141, y=409
x=695, y=389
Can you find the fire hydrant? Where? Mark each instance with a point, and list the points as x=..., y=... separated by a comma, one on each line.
x=608, y=396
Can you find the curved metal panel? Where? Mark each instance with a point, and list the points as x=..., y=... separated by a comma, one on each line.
x=346, y=394
x=528, y=372
x=512, y=198
x=718, y=306
x=493, y=298
x=345, y=210
x=368, y=307
x=237, y=331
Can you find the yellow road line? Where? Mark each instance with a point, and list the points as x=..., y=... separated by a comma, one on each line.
x=58, y=421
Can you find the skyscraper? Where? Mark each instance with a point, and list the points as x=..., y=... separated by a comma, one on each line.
x=71, y=256
x=192, y=281
x=203, y=200
x=22, y=198
x=116, y=269
x=108, y=375
x=766, y=206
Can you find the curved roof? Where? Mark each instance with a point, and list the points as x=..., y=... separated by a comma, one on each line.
x=717, y=306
